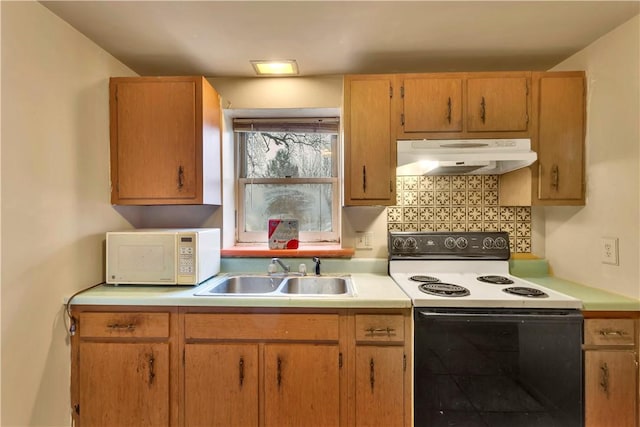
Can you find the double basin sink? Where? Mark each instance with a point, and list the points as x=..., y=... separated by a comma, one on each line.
x=280, y=286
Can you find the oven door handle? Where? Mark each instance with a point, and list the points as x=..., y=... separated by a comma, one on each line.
x=501, y=315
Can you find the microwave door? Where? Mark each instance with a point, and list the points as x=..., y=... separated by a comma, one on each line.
x=142, y=259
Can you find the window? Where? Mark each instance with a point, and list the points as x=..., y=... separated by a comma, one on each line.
x=288, y=168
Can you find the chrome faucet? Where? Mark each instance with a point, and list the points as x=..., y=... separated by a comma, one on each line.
x=272, y=267
x=317, y=268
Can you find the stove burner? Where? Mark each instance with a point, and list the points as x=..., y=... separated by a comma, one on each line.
x=525, y=292
x=425, y=279
x=496, y=280
x=444, y=289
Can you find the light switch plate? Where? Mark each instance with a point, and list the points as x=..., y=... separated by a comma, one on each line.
x=364, y=240
x=609, y=250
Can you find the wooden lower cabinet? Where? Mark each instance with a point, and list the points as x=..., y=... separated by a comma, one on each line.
x=124, y=368
x=611, y=371
x=142, y=366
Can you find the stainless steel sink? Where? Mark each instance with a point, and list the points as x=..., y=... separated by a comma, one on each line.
x=279, y=286
x=316, y=285
x=247, y=285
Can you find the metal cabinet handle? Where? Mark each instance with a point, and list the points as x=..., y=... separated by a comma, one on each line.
x=372, y=373
x=180, y=176
x=555, y=176
x=241, y=371
x=373, y=331
x=449, y=110
x=610, y=332
x=604, y=378
x=120, y=326
x=483, y=110
x=364, y=178
x=279, y=374
x=152, y=371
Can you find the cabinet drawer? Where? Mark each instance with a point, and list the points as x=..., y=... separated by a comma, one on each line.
x=609, y=332
x=123, y=325
x=317, y=327
x=380, y=327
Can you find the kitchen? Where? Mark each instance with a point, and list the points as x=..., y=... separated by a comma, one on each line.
x=55, y=184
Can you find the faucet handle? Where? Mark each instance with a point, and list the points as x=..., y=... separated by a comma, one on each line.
x=272, y=268
x=317, y=268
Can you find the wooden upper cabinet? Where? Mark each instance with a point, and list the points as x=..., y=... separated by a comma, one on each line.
x=432, y=104
x=497, y=104
x=370, y=144
x=560, y=143
x=558, y=133
x=463, y=105
x=165, y=141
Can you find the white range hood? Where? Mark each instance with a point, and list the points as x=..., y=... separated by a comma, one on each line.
x=463, y=156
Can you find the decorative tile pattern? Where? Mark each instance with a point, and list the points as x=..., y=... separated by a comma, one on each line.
x=458, y=203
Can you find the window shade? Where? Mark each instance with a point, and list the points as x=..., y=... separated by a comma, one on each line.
x=301, y=125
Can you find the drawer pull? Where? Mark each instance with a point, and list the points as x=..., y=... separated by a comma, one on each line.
x=241, y=371
x=377, y=331
x=120, y=327
x=279, y=374
x=611, y=332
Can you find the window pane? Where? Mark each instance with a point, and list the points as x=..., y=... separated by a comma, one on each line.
x=310, y=204
x=282, y=154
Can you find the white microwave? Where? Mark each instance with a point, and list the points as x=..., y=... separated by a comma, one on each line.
x=185, y=256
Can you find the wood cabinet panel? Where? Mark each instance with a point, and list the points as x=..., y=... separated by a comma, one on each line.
x=317, y=327
x=124, y=384
x=432, y=104
x=377, y=327
x=607, y=332
x=221, y=384
x=379, y=379
x=497, y=104
x=302, y=385
x=370, y=148
x=121, y=325
x=561, y=138
x=611, y=384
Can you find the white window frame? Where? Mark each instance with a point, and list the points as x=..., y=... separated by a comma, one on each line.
x=316, y=238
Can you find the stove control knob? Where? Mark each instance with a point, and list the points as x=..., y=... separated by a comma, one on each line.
x=461, y=243
x=449, y=243
x=487, y=243
x=501, y=243
x=398, y=243
x=411, y=243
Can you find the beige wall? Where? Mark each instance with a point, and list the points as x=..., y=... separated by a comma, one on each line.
x=55, y=201
x=573, y=235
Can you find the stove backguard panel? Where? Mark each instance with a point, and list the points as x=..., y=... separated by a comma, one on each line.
x=458, y=203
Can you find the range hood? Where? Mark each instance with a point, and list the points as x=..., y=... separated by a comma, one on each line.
x=463, y=156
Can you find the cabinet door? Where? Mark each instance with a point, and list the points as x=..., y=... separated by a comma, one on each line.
x=124, y=384
x=302, y=385
x=497, y=104
x=432, y=105
x=221, y=385
x=561, y=138
x=370, y=147
x=154, y=125
x=610, y=388
x=379, y=386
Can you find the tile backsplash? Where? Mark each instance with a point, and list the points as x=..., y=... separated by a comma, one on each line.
x=458, y=203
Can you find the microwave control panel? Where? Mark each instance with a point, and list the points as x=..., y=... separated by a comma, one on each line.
x=186, y=258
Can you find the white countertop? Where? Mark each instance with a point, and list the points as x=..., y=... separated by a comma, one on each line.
x=372, y=291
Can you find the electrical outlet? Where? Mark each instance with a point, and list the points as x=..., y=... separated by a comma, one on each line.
x=609, y=250
x=364, y=240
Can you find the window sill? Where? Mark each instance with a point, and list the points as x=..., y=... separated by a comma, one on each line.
x=263, y=251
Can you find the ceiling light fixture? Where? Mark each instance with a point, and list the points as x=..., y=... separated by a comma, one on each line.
x=287, y=67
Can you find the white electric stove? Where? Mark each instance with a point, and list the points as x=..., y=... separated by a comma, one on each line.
x=464, y=269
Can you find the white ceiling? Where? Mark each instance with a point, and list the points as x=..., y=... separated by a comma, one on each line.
x=218, y=38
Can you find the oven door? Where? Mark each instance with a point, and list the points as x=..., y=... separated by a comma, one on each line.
x=498, y=367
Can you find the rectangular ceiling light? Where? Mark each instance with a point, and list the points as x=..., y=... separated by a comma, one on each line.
x=275, y=68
